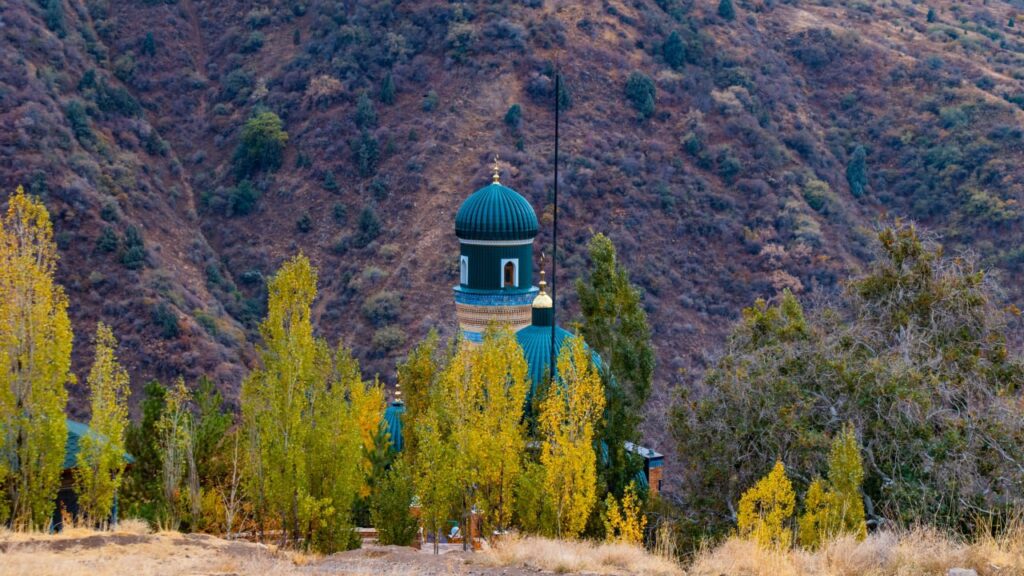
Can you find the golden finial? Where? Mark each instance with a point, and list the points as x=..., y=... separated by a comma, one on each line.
x=542, y=300
x=497, y=170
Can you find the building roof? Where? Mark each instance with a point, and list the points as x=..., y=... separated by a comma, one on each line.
x=393, y=421
x=77, y=431
x=496, y=212
x=536, y=344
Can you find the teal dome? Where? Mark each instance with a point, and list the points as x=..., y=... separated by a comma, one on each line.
x=536, y=344
x=496, y=212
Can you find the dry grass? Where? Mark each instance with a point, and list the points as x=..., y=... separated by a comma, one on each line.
x=569, y=557
x=917, y=552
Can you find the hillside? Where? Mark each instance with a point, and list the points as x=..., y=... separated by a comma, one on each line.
x=125, y=118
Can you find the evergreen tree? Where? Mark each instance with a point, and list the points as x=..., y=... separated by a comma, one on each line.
x=387, y=90
x=390, y=512
x=35, y=365
x=514, y=116
x=366, y=114
x=856, y=173
x=568, y=417
x=100, y=461
x=143, y=495
x=149, y=45
x=640, y=91
x=726, y=10
x=615, y=325
x=674, y=51
x=931, y=15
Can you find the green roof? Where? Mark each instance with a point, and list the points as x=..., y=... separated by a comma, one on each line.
x=393, y=424
x=536, y=344
x=496, y=212
x=77, y=431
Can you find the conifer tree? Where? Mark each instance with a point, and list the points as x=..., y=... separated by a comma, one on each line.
x=568, y=417
x=101, y=462
x=726, y=10
x=35, y=364
x=856, y=172
x=615, y=325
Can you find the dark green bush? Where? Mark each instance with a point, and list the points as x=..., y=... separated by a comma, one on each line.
x=640, y=92
x=133, y=256
x=514, y=116
x=107, y=241
x=261, y=146
x=389, y=509
x=369, y=227
x=166, y=321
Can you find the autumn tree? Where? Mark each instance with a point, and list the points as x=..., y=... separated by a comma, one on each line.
x=766, y=510
x=567, y=421
x=615, y=326
x=836, y=507
x=417, y=375
x=436, y=474
x=101, y=463
x=173, y=431
x=35, y=364
x=624, y=519
x=309, y=419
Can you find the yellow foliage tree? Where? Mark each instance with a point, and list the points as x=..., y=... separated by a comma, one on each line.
x=309, y=418
x=766, y=510
x=35, y=365
x=101, y=461
x=836, y=507
x=567, y=419
x=624, y=521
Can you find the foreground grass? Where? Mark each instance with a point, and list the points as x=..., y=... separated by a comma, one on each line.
x=571, y=557
x=132, y=550
x=909, y=553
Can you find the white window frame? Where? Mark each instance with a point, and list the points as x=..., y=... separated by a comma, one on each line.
x=515, y=265
x=464, y=270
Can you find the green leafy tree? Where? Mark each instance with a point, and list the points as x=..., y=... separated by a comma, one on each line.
x=261, y=146
x=915, y=353
x=836, y=507
x=640, y=92
x=390, y=511
x=726, y=10
x=615, y=326
x=100, y=460
x=417, y=376
x=309, y=418
x=35, y=365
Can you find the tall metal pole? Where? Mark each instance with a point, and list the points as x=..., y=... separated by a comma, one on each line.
x=554, y=240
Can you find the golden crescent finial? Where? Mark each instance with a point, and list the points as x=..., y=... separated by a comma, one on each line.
x=497, y=170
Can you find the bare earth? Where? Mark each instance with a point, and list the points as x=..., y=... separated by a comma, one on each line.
x=171, y=553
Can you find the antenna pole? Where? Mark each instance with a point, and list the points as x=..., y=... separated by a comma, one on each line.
x=554, y=243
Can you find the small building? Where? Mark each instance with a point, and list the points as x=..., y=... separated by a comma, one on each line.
x=67, y=498
x=496, y=228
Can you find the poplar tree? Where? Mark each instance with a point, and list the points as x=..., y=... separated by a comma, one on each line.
x=436, y=472
x=173, y=431
x=416, y=377
x=615, y=325
x=310, y=420
x=568, y=417
x=35, y=364
x=100, y=466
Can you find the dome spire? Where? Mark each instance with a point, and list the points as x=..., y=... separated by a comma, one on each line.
x=496, y=176
x=542, y=301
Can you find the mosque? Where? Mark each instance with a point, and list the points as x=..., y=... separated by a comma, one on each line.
x=496, y=227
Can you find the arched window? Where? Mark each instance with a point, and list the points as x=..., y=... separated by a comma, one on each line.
x=509, y=273
x=464, y=270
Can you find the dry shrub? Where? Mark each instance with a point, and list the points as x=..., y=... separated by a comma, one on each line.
x=563, y=556
x=916, y=552
x=136, y=526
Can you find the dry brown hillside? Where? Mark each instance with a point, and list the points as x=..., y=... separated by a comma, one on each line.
x=125, y=117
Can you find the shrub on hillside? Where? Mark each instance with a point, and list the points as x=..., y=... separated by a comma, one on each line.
x=261, y=146
x=382, y=307
x=640, y=92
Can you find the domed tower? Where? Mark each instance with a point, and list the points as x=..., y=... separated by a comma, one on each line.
x=496, y=227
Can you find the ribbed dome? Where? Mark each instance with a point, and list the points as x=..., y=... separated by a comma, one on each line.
x=536, y=344
x=496, y=212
